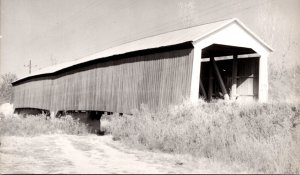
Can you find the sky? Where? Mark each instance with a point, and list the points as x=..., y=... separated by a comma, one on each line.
x=49, y=32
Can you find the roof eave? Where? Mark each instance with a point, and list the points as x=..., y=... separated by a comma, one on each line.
x=254, y=35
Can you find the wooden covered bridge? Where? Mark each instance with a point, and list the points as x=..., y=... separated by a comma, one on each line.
x=223, y=59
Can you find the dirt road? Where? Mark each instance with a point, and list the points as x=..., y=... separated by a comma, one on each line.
x=94, y=154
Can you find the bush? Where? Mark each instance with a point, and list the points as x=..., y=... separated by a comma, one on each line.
x=257, y=135
x=6, y=90
x=32, y=125
x=6, y=109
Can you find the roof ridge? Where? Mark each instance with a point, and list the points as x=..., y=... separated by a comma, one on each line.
x=178, y=36
x=63, y=65
x=150, y=36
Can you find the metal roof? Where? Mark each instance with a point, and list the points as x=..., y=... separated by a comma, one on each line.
x=167, y=39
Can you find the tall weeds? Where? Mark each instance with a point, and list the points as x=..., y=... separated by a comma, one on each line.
x=257, y=135
x=36, y=125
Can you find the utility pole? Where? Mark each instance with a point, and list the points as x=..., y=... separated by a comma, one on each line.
x=0, y=37
x=29, y=66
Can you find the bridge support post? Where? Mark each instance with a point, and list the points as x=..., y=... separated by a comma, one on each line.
x=52, y=114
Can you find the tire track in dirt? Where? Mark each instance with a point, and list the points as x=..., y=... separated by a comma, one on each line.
x=79, y=160
x=106, y=158
x=94, y=154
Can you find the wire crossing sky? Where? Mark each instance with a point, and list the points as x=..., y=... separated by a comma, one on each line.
x=50, y=32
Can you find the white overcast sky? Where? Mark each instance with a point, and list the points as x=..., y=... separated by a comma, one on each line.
x=55, y=31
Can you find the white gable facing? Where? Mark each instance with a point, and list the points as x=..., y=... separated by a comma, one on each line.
x=232, y=34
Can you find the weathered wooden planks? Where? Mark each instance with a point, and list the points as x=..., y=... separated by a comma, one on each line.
x=118, y=84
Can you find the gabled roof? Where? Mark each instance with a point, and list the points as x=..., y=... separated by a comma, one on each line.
x=167, y=39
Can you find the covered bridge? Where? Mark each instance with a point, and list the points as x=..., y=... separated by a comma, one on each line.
x=223, y=59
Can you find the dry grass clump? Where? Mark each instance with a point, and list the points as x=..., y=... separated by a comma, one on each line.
x=259, y=136
x=32, y=125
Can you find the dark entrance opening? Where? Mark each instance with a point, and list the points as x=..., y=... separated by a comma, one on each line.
x=229, y=70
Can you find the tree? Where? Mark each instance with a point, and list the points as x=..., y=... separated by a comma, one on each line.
x=6, y=90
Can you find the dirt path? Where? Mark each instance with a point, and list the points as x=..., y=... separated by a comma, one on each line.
x=94, y=154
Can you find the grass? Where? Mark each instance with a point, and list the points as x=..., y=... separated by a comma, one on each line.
x=32, y=125
x=259, y=136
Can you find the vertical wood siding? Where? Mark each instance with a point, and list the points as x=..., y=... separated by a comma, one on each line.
x=116, y=85
x=33, y=94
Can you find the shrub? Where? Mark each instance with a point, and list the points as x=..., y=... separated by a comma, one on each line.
x=257, y=135
x=32, y=125
x=6, y=90
x=6, y=109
